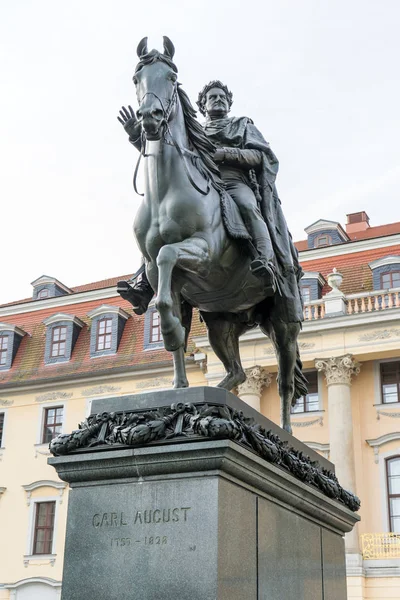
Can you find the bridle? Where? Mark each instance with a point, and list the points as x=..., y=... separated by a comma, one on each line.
x=167, y=130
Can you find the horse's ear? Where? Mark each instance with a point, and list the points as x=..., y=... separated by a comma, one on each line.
x=169, y=48
x=142, y=48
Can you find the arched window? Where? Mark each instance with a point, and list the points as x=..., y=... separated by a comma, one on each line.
x=393, y=487
x=44, y=293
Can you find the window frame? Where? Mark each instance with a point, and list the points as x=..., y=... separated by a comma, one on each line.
x=36, y=527
x=389, y=496
x=57, y=497
x=155, y=328
x=104, y=335
x=320, y=237
x=309, y=288
x=382, y=396
x=56, y=424
x=53, y=342
x=6, y=350
x=43, y=294
x=390, y=273
x=309, y=412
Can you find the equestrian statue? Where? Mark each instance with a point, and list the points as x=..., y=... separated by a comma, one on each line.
x=210, y=227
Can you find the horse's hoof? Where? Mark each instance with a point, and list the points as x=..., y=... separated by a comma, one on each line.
x=232, y=380
x=180, y=383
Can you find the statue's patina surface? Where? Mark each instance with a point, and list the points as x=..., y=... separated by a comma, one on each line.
x=210, y=227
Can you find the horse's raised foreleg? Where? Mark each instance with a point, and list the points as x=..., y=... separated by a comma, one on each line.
x=224, y=340
x=284, y=337
x=189, y=255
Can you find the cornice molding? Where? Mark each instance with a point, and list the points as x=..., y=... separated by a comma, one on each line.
x=58, y=485
x=13, y=328
x=350, y=247
x=385, y=261
x=59, y=301
x=376, y=443
x=63, y=317
x=314, y=275
x=105, y=308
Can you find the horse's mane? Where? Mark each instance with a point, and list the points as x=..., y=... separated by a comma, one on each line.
x=198, y=139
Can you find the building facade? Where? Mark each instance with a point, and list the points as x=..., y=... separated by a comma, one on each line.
x=64, y=347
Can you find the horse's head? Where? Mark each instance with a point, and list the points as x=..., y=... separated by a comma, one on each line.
x=155, y=79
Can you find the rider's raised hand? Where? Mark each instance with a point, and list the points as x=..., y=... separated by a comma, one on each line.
x=129, y=121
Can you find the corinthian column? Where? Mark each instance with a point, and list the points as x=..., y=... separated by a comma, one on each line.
x=250, y=390
x=339, y=371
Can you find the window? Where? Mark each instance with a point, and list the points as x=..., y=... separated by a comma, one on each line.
x=58, y=341
x=155, y=327
x=306, y=293
x=44, y=528
x=52, y=423
x=1, y=428
x=390, y=382
x=322, y=240
x=393, y=486
x=104, y=334
x=44, y=293
x=310, y=402
x=390, y=280
x=3, y=349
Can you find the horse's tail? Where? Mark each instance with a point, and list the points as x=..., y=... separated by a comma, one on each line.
x=300, y=380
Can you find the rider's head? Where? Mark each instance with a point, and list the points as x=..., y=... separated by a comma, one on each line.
x=215, y=99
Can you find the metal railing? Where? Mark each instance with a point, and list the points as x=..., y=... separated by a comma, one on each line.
x=380, y=545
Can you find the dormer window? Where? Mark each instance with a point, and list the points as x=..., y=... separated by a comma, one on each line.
x=61, y=335
x=322, y=240
x=325, y=233
x=311, y=285
x=10, y=339
x=48, y=287
x=386, y=272
x=108, y=323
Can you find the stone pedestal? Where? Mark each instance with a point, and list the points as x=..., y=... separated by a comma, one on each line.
x=198, y=520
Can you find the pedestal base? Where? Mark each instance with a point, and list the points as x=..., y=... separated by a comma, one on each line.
x=198, y=521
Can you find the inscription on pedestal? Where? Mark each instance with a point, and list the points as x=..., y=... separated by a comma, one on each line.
x=148, y=516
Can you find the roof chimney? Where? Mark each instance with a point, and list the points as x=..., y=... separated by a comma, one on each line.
x=358, y=221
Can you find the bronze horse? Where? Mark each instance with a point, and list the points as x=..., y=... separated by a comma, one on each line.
x=191, y=261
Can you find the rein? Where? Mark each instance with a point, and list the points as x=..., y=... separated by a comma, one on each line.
x=181, y=153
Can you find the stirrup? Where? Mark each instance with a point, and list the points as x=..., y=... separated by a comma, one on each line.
x=265, y=270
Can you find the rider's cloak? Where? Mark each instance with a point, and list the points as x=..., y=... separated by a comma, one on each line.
x=240, y=132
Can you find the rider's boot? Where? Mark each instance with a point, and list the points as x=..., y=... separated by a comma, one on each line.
x=139, y=294
x=263, y=265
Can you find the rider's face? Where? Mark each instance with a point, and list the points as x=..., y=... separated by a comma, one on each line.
x=217, y=103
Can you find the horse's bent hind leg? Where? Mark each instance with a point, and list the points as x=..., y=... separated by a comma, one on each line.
x=224, y=340
x=284, y=337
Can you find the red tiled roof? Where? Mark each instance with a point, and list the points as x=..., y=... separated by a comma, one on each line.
x=357, y=275
x=29, y=361
x=371, y=232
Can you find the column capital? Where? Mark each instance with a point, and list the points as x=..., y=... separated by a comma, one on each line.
x=338, y=369
x=257, y=378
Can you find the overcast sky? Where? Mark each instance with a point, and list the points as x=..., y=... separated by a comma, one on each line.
x=320, y=79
